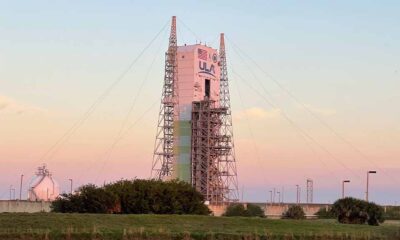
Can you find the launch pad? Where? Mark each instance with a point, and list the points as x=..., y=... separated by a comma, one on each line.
x=194, y=141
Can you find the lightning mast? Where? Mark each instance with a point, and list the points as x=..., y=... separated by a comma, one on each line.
x=169, y=109
x=227, y=162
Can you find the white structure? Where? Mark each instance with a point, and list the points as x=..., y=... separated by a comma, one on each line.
x=43, y=187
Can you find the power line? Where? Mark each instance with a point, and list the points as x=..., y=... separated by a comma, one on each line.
x=134, y=101
x=299, y=129
x=124, y=134
x=54, y=148
x=319, y=119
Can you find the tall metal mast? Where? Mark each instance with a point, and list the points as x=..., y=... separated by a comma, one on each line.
x=310, y=190
x=169, y=109
x=227, y=163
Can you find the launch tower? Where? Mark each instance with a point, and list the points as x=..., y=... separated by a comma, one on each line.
x=194, y=141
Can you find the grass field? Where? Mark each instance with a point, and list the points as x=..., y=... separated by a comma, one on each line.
x=99, y=226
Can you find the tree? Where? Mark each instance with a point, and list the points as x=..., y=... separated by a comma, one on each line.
x=294, y=212
x=89, y=199
x=355, y=211
x=238, y=209
x=235, y=210
x=254, y=210
x=324, y=213
x=134, y=197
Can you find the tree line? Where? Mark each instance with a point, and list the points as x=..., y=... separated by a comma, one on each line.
x=134, y=197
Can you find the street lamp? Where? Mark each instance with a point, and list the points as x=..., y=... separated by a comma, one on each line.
x=279, y=197
x=12, y=193
x=297, y=194
x=366, y=193
x=71, y=185
x=20, y=187
x=274, y=195
x=344, y=181
x=271, y=196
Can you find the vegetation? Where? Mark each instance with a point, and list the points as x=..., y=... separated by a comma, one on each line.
x=324, y=213
x=356, y=211
x=392, y=213
x=294, y=212
x=239, y=210
x=54, y=226
x=136, y=196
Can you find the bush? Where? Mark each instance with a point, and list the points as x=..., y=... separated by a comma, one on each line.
x=89, y=200
x=356, y=211
x=239, y=210
x=294, y=212
x=324, y=213
x=136, y=196
x=254, y=211
x=392, y=213
x=234, y=210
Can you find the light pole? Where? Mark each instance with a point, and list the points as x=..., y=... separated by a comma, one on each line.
x=297, y=194
x=279, y=197
x=274, y=195
x=20, y=187
x=71, y=185
x=10, y=192
x=344, y=181
x=271, y=196
x=366, y=193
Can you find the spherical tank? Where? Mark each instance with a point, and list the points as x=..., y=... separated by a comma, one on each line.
x=43, y=187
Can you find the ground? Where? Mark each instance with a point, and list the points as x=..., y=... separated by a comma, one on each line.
x=101, y=226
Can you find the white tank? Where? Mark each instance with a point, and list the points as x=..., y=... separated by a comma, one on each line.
x=42, y=186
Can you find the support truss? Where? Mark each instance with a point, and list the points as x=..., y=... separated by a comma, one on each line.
x=162, y=166
x=227, y=162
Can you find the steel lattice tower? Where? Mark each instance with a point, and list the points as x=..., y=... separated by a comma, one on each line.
x=310, y=190
x=169, y=109
x=194, y=140
x=227, y=163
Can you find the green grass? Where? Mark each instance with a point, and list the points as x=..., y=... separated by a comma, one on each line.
x=100, y=226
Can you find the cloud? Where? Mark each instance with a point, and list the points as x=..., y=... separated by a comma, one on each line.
x=11, y=106
x=256, y=113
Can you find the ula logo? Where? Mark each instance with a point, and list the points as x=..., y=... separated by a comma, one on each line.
x=204, y=69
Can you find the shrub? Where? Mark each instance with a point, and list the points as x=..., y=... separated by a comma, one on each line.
x=355, y=211
x=89, y=199
x=324, y=213
x=238, y=209
x=254, y=210
x=294, y=212
x=234, y=210
x=392, y=213
x=134, y=196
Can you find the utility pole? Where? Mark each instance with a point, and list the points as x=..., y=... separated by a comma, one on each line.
x=274, y=195
x=70, y=185
x=20, y=187
x=367, y=192
x=271, y=196
x=343, y=182
x=310, y=190
x=283, y=190
x=297, y=194
x=279, y=197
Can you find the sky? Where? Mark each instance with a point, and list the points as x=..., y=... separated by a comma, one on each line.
x=314, y=91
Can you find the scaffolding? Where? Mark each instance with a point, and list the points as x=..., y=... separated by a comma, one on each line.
x=209, y=147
